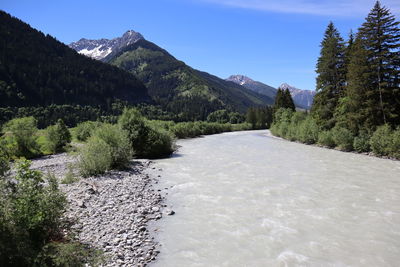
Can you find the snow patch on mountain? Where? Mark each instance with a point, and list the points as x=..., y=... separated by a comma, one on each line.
x=99, y=49
x=96, y=53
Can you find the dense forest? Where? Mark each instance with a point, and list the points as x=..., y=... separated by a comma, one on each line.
x=357, y=105
x=38, y=70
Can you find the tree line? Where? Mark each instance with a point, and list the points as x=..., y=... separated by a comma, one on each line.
x=357, y=105
x=358, y=80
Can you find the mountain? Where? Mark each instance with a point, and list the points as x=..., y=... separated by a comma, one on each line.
x=38, y=70
x=255, y=86
x=300, y=97
x=177, y=87
x=99, y=49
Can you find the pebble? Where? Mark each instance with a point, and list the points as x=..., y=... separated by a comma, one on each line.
x=111, y=211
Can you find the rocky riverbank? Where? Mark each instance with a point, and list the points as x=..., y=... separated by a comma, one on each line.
x=112, y=211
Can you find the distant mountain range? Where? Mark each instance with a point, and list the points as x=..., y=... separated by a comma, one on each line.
x=302, y=98
x=171, y=83
x=127, y=68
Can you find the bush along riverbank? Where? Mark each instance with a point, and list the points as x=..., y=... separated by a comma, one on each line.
x=105, y=146
x=33, y=228
x=301, y=127
x=94, y=204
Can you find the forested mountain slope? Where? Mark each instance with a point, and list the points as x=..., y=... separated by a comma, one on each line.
x=179, y=88
x=38, y=70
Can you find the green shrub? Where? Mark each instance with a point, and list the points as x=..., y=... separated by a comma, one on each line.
x=204, y=128
x=281, y=125
x=284, y=129
x=292, y=132
x=236, y=118
x=298, y=117
x=220, y=116
x=117, y=140
x=283, y=114
x=381, y=140
x=22, y=132
x=135, y=125
x=361, y=142
x=108, y=148
x=85, y=129
x=4, y=159
x=395, y=145
x=166, y=125
x=70, y=176
x=145, y=140
x=160, y=144
x=69, y=254
x=241, y=127
x=31, y=215
x=190, y=129
x=58, y=136
x=95, y=157
x=194, y=129
x=343, y=138
x=32, y=228
x=274, y=129
x=223, y=116
x=308, y=131
x=325, y=138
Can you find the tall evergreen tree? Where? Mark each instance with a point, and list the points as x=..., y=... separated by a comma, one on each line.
x=279, y=99
x=331, y=77
x=289, y=100
x=350, y=112
x=376, y=58
x=347, y=52
x=283, y=99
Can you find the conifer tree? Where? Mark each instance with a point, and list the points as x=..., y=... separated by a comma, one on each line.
x=279, y=99
x=350, y=112
x=347, y=52
x=289, y=100
x=331, y=77
x=283, y=99
x=374, y=70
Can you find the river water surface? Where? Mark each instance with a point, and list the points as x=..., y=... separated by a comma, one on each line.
x=248, y=199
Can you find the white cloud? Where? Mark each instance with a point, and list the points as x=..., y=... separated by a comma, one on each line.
x=313, y=7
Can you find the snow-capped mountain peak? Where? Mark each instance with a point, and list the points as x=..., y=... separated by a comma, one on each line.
x=99, y=49
x=239, y=79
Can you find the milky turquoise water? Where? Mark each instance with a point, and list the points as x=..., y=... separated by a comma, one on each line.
x=246, y=199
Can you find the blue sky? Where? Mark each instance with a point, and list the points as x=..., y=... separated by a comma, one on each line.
x=269, y=41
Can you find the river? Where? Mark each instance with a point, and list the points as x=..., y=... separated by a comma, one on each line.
x=249, y=199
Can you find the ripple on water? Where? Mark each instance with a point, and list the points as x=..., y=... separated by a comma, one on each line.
x=246, y=200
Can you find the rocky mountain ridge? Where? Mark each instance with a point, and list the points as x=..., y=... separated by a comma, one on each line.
x=99, y=49
x=301, y=98
x=255, y=86
x=188, y=93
